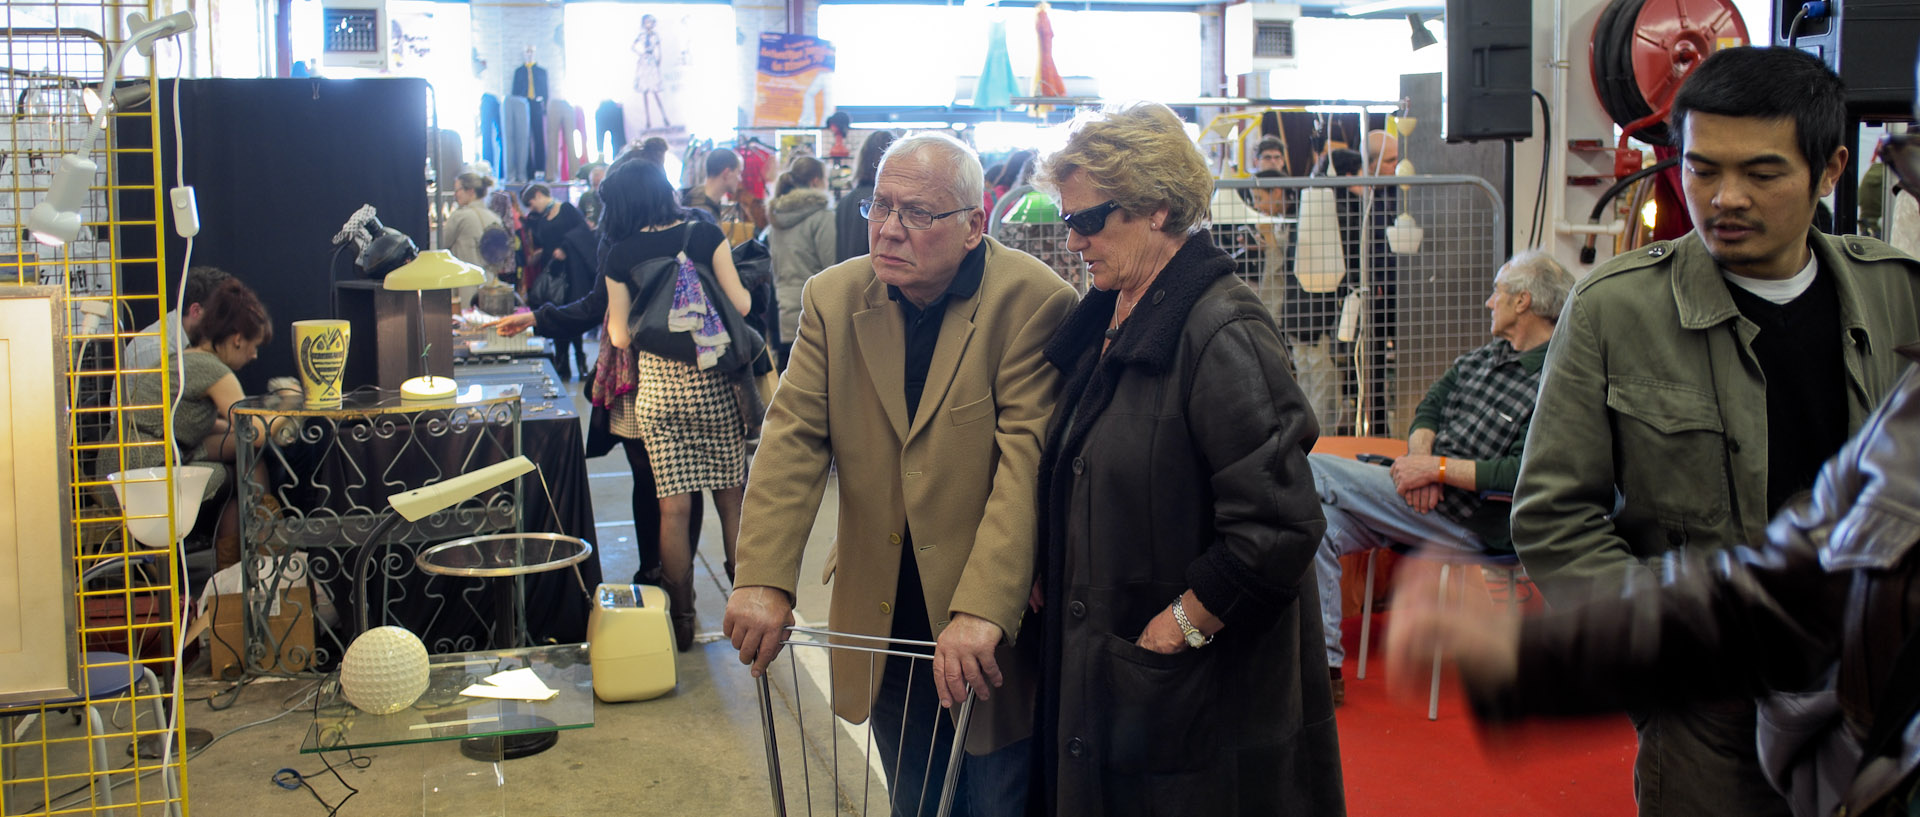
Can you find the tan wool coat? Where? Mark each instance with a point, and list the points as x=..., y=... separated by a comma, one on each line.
x=961, y=475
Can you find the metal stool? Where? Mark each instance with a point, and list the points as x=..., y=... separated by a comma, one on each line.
x=1513, y=576
x=108, y=675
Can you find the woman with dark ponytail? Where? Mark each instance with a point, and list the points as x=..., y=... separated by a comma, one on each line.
x=802, y=240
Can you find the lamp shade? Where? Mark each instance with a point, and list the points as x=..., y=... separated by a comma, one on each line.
x=1033, y=208
x=434, y=269
x=55, y=221
x=384, y=671
x=1228, y=208
x=144, y=496
x=1421, y=36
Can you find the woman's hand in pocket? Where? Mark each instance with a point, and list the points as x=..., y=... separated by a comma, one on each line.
x=1162, y=634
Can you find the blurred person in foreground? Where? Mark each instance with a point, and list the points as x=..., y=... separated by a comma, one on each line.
x=1819, y=619
x=1183, y=670
x=1695, y=386
x=917, y=376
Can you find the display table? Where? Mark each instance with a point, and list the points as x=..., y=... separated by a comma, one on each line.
x=327, y=475
x=442, y=713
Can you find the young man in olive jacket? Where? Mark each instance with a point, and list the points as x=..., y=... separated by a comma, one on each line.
x=1696, y=385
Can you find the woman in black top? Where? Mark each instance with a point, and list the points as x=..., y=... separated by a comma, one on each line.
x=564, y=242
x=684, y=410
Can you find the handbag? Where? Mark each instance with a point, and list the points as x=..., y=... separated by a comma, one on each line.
x=754, y=390
x=600, y=439
x=653, y=281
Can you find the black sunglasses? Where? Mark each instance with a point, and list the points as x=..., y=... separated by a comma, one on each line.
x=1901, y=152
x=1091, y=221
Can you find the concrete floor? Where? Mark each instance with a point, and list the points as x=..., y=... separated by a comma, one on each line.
x=696, y=751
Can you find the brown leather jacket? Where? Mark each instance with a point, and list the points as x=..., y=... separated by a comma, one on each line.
x=1810, y=621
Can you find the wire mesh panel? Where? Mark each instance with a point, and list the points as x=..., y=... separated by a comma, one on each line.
x=1376, y=283
x=826, y=765
x=56, y=57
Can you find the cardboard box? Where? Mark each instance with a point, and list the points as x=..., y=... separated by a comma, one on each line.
x=289, y=623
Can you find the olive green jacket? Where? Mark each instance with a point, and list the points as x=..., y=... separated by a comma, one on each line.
x=1652, y=398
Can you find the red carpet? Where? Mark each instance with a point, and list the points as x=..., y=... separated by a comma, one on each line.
x=1397, y=763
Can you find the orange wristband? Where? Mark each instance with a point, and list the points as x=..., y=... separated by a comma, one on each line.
x=1443, y=470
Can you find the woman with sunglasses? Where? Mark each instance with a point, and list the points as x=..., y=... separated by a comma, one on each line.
x=1179, y=520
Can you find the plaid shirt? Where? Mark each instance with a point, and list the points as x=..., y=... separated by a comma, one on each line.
x=1486, y=404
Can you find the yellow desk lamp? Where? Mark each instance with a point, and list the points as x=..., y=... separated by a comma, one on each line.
x=431, y=270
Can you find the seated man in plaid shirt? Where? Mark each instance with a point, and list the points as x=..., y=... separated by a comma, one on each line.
x=1466, y=442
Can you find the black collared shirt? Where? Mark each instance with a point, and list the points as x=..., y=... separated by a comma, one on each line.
x=923, y=335
x=923, y=325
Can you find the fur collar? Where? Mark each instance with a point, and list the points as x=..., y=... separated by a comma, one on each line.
x=1150, y=337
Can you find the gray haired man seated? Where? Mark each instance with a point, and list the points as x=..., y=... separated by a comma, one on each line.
x=1466, y=440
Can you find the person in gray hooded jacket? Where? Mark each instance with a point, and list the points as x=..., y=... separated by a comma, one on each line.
x=802, y=239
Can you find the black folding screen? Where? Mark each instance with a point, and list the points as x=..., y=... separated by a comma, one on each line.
x=278, y=165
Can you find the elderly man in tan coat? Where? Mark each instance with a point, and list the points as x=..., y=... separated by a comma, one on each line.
x=917, y=373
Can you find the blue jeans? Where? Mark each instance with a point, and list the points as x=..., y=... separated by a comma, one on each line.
x=990, y=785
x=1363, y=511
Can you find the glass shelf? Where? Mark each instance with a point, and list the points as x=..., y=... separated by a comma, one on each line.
x=444, y=714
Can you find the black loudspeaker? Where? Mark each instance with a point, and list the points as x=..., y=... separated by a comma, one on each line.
x=1871, y=44
x=1489, y=70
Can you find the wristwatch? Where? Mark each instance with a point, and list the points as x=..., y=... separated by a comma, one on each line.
x=1195, y=638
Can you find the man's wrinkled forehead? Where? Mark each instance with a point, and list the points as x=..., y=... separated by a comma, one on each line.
x=910, y=180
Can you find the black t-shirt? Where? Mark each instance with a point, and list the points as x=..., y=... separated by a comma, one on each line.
x=624, y=255
x=1799, y=352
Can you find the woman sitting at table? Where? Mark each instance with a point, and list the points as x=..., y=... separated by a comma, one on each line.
x=233, y=327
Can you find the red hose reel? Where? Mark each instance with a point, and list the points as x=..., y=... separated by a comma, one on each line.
x=1643, y=49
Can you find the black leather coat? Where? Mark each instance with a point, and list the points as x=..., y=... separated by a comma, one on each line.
x=1177, y=461
x=1810, y=621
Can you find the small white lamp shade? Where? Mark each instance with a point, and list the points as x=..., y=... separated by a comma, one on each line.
x=1405, y=234
x=1320, y=259
x=55, y=221
x=434, y=269
x=143, y=493
x=1228, y=208
x=384, y=671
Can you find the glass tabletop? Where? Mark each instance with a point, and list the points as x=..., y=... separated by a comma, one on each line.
x=504, y=554
x=442, y=713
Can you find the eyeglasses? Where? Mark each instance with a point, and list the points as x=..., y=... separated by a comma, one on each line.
x=913, y=218
x=1091, y=221
x=1901, y=152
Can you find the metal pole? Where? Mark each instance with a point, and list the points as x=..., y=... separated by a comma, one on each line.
x=773, y=752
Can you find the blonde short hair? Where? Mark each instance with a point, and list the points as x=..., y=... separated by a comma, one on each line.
x=1139, y=155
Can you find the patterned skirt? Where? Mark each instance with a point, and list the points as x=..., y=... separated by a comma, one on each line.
x=690, y=423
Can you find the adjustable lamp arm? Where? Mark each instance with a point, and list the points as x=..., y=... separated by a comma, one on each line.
x=419, y=503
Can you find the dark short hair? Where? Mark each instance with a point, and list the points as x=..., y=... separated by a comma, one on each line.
x=1270, y=143
x=201, y=282
x=634, y=196
x=1769, y=83
x=721, y=160
x=233, y=310
x=527, y=195
x=1344, y=161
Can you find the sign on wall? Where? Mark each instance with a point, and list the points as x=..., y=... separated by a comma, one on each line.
x=794, y=85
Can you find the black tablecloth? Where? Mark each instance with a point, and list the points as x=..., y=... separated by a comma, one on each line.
x=347, y=473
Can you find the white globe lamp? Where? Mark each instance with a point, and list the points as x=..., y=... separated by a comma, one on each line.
x=384, y=670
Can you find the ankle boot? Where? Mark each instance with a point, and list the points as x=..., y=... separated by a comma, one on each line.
x=680, y=604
